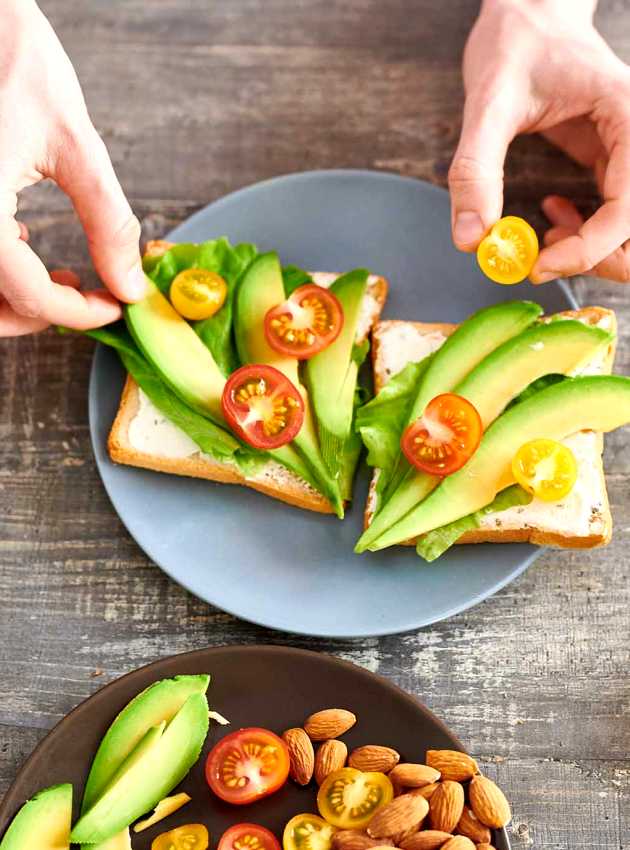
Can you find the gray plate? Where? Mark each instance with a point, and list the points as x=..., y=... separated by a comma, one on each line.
x=279, y=566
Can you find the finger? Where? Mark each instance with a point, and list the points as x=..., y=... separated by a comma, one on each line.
x=562, y=212
x=24, y=234
x=555, y=234
x=475, y=177
x=66, y=277
x=12, y=324
x=579, y=139
x=614, y=267
x=603, y=233
x=86, y=174
x=30, y=291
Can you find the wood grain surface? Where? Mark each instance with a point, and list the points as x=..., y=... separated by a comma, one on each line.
x=195, y=99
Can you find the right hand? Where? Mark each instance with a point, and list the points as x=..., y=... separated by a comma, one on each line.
x=540, y=66
x=46, y=131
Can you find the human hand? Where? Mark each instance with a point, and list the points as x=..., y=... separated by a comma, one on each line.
x=540, y=66
x=45, y=131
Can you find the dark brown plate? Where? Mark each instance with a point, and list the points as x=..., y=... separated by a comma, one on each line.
x=272, y=686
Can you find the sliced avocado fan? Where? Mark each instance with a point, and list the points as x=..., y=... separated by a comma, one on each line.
x=159, y=763
x=597, y=403
x=260, y=289
x=557, y=347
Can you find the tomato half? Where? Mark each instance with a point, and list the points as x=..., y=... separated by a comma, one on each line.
x=508, y=253
x=248, y=836
x=306, y=323
x=262, y=406
x=348, y=798
x=307, y=832
x=546, y=469
x=193, y=836
x=445, y=436
x=198, y=293
x=246, y=765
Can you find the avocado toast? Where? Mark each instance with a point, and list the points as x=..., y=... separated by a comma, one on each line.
x=538, y=359
x=154, y=430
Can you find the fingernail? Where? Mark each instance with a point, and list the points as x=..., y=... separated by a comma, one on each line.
x=543, y=277
x=136, y=283
x=468, y=228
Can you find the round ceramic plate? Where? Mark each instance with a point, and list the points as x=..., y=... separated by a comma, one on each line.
x=280, y=566
x=271, y=686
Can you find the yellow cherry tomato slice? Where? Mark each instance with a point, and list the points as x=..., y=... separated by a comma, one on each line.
x=307, y=832
x=348, y=798
x=198, y=293
x=509, y=251
x=193, y=836
x=546, y=469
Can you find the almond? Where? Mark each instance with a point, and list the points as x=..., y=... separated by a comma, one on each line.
x=404, y=836
x=458, y=842
x=329, y=723
x=301, y=755
x=354, y=839
x=398, y=816
x=452, y=764
x=331, y=756
x=488, y=802
x=472, y=828
x=426, y=791
x=373, y=757
x=414, y=775
x=428, y=839
x=485, y=847
x=446, y=806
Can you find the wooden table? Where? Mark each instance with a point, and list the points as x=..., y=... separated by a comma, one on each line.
x=195, y=99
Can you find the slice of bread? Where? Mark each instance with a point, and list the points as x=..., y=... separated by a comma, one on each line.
x=580, y=521
x=142, y=436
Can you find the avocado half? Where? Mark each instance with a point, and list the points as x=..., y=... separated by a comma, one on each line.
x=43, y=822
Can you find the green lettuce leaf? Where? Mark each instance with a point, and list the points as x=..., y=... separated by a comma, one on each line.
x=211, y=439
x=216, y=255
x=292, y=277
x=382, y=420
x=535, y=387
x=436, y=542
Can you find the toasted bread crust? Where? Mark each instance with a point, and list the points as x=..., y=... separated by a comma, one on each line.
x=290, y=489
x=601, y=530
x=293, y=491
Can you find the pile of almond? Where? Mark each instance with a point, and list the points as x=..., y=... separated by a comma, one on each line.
x=443, y=803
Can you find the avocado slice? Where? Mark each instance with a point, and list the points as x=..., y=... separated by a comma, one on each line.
x=159, y=702
x=176, y=352
x=260, y=289
x=556, y=347
x=597, y=403
x=157, y=765
x=43, y=822
x=332, y=374
x=119, y=841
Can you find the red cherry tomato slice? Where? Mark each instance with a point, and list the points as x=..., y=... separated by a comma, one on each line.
x=445, y=436
x=248, y=836
x=246, y=765
x=306, y=323
x=262, y=406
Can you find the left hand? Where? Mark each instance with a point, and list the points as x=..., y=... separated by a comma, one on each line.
x=542, y=67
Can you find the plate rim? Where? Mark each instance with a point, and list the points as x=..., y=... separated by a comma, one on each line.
x=7, y=806
x=191, y=586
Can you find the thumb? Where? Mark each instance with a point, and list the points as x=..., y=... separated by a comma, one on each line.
x=475, y=178
x=85, y=173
